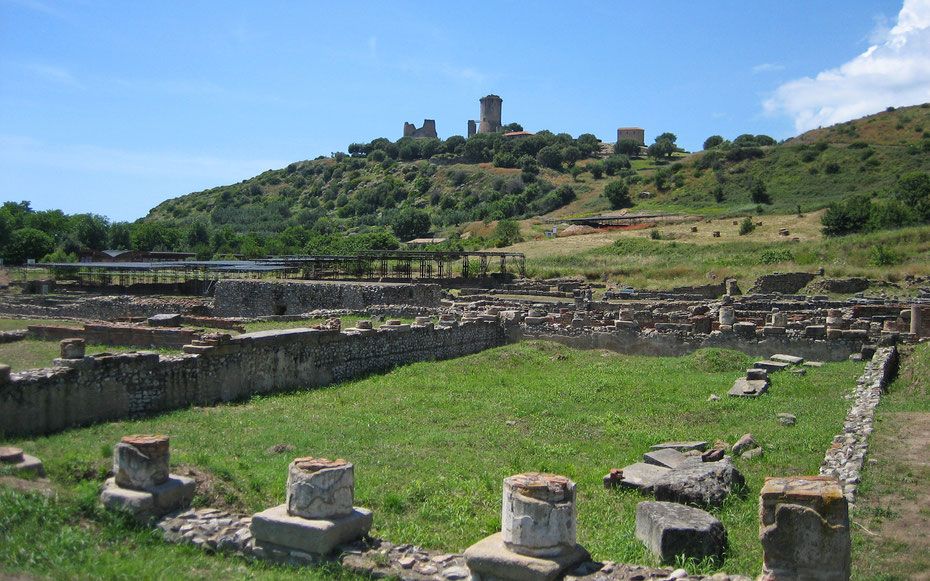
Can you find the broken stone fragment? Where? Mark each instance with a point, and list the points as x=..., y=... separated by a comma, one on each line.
x=747, y=442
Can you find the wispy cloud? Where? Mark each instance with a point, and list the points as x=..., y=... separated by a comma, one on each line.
x=767, y=68
x=50, y=73
x=893, y=72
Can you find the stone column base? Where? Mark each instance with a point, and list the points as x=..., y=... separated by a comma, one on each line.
x=177, y=492
x=276, y=528
x=490, y=559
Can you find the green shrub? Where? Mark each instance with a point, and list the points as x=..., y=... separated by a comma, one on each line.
x=746, y=226
x=882, y=255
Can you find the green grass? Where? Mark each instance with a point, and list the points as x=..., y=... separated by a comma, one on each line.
x=33, y=353
x=16, y=324
x=432, y=441
x=645, y=263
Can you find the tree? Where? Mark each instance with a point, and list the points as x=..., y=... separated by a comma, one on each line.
x=550, y=156
x=618, y=194
x=512, y=127
x=571, y=154
x=597, y=169
x=120, y=236
x=588, y=143
x=670, y=137
x=746, y=226
x=616, y=163
x=913, y=189
x=759, y=193
x=27, y=243
x=629, y=147
x=846, y=217
x=411, y=223
x=506, y=232
x=712, y=141
x=90, y=230
x=197, y=234
x=660, y=149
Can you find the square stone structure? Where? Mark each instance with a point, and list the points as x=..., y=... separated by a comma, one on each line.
x=176, y=492
x=275, y=528
x=489, y=559
x=804, y=529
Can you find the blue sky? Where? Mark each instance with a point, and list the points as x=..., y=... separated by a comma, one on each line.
x=113, y=107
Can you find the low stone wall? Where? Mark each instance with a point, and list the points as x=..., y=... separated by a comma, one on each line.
x=846, y=455
x=259, y=298
x=676, y=344
x=786, y=283
x=122, y=335
x=100, y=308
x=110, y=387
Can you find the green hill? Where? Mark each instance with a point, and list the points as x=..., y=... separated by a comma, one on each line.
x=453, y=183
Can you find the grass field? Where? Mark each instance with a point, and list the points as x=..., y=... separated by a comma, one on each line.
x=432, y=442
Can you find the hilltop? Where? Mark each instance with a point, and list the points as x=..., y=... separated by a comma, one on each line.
x=366, y=190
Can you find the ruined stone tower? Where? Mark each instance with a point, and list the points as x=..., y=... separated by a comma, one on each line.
x=490, y=114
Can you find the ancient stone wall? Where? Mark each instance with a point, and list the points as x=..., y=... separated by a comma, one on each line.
x=101, y=308
x=101, y=388
x=787, y=283
x=258, y=298
x=123, y=335
x=428, y=129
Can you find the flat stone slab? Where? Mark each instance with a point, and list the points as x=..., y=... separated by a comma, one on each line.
x=642, y=476
x=792, y=359
x=26, y=464
x=276, y=526
x=489, y=559
x=743, y=387
x=177, y=492
x=771, y=366
x=669, y=458
x=669, y=529
x=681, y=446
x=705, y=484
x=813, y=363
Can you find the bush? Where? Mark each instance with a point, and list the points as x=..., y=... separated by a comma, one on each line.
x=746, y=226
x=618, y=194
x=882, y=255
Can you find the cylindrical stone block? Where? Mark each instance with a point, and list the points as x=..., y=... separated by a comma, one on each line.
x=727, y=315
x=834, y=318
x=4, y=373
x=779, y=319
x=915, y=320
x=72, y=348
x=539, y=514
x=319, y=488
x=363, y=324
x=732, y=287
x=10, y=455
x=141, y=461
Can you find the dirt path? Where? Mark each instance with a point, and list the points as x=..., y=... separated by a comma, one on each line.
x=891, y=524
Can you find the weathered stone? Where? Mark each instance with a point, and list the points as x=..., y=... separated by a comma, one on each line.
x=164, y=320
x=681, y=446
x=713, y=455
x=786, y=419
x=489, y=559
x=539, y=514
x=804, y=529
x=771, y=366
x=916, y=320
x=757, y=373
x=316, y=536
x=726, y=315
x=747, y=442
x=174, y=493
x=9, y=454
x=670, y=530
x=141, y=461
x=745, y=329
x=642, y=476
x=752, y=453
x=668, y=458
x=743, y=387
x=792, y=359
x=704, y=484
x=319, y=488
x=72, y=348
x=813, y=363
x=815, y=331
x=613, y=478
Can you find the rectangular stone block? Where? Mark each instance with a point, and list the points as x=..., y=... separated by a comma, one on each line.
x=792, y=359
x=771, y=366
x=312, y=536
x=489, y=559
x=804, y=529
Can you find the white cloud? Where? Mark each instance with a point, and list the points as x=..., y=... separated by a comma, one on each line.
x=893, y=72
x=767, y=67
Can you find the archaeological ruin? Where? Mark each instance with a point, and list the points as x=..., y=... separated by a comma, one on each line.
x=803, y=520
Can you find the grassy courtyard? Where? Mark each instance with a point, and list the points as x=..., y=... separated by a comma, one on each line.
x=431, y=443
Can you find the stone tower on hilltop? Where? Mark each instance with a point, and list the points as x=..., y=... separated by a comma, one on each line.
x=490, y=114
